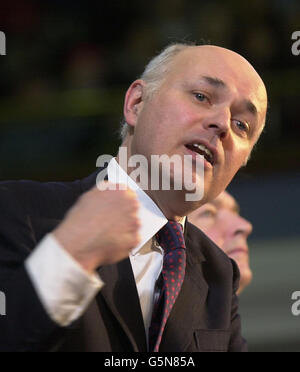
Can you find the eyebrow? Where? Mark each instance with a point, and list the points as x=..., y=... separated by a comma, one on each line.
x=250, y=106
x=235, y=208
x=215, y=82
x=220, y=84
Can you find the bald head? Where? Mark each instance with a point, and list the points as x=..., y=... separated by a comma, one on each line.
x=160, y=66
x=197, y=95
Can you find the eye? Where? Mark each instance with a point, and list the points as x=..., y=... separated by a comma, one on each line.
x=201, y=97
x=208, y=213
x=241, y=125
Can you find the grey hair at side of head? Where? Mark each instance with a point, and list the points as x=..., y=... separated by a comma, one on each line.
x=155, y=73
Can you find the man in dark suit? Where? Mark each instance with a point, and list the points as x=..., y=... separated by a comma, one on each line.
x=81, y=268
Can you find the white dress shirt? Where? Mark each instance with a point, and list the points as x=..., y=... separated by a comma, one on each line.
x=146, y=259
x=66, y=289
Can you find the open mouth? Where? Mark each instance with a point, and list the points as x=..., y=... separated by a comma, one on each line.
x=202, y=150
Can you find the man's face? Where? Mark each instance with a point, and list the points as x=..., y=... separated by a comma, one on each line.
x=210, y=96
x=221, y=222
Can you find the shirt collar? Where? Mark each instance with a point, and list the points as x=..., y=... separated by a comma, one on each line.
x=151, y=217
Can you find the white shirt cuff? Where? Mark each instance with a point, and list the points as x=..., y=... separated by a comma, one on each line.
x=63, y=286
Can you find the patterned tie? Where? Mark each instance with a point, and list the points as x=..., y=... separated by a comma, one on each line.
x=171, y=239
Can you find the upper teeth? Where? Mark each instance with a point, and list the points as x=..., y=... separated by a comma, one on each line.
x=203, y=148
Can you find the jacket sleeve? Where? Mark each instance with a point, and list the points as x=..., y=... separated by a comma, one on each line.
x=26, y=325
x=237, y=343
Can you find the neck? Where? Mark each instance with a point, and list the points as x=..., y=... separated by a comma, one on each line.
x=172, y=203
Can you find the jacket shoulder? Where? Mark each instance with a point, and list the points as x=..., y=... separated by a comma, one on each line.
x=49, y=199
x=216, y=260
x=204, y=244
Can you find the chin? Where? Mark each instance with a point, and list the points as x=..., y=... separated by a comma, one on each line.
x=246, y=278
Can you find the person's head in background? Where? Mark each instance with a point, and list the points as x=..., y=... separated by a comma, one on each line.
x=221, y=222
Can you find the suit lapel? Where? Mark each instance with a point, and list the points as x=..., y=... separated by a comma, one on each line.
x=120, y=294
x=190, y=302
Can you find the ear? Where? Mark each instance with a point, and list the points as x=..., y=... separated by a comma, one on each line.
x=134, y=101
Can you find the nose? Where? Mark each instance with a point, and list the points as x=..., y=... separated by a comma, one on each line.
x=219, y=121
x=243, y=227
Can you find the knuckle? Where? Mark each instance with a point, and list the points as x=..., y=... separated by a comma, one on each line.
x=134, y=222
x=135, y=204
x=137, y=223
x=130, y=194
x=136, y=239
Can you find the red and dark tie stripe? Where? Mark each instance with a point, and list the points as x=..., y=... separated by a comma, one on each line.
x=171, y=239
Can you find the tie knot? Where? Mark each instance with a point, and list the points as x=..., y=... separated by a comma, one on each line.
x=170, y=237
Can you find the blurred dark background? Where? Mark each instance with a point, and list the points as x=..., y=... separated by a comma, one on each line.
x=63, y=80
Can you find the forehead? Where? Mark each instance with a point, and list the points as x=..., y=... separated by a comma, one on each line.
x=221, y=64
x=226, y=201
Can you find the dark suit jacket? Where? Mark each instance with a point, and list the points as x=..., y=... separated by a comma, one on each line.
x=204, y=318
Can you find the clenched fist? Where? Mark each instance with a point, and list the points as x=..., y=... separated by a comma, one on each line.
x=101, y=228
